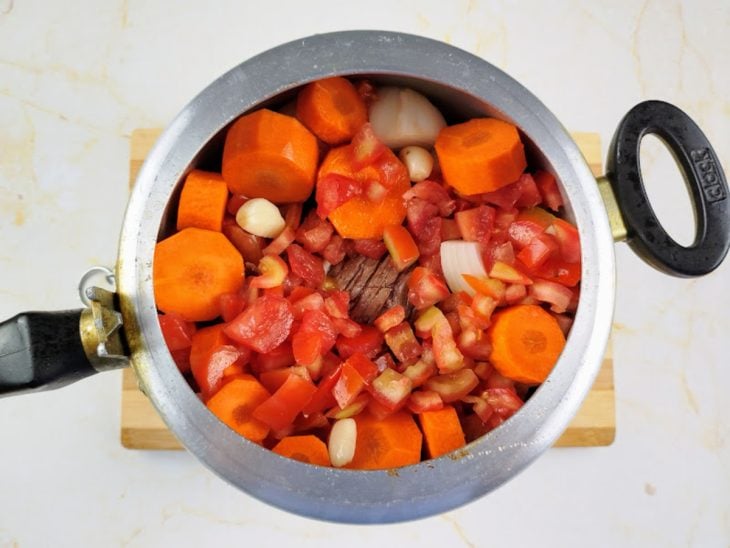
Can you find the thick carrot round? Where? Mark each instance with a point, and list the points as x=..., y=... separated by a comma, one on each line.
x=481, y=155
x=389, y=442
x=308, y=448
x=192, y=269
x=359, y=218
x=270, y=155
x=526, y=342
x=332, y=109
x=442, y=431
x=202, y=201
x=234, y=404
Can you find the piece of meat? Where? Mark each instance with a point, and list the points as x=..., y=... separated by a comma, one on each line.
x=374, y=286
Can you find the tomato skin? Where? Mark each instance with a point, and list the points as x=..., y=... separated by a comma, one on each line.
x=366, y=148
x=434, y=193
x=418, y=213
x=177, y=332
x=333, y=190
x=402, y=342
x=548, y=189
x=568, y=240
x=476, y=224
x=280, y=410
x=538, y=251
x=305, y=265
x=314, y=233
x=276, y=358
x=373, y=249
x=334, y=252
x=368, y=342
x=506, y=197
x=323, y=398
x=425, y=289
x=348, y=386
x=264, y=325
x=529, y=193
x=210, y=354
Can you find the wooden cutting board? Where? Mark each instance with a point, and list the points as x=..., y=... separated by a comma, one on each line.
x=594, y=425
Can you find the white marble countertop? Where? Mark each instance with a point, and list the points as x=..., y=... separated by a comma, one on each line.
x=77, y=77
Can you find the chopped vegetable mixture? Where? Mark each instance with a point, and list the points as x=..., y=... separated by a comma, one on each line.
x=363, y=285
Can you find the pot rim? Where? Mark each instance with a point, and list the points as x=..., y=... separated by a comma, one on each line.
x=344, y=495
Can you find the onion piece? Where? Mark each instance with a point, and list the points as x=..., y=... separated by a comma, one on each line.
x=401, y=117
x=457, y=258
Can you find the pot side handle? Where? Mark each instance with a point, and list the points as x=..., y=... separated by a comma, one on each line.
x=704, y=178
x=46, y=350
x=40, y=351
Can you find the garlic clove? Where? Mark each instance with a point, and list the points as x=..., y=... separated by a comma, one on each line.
x=260, y=217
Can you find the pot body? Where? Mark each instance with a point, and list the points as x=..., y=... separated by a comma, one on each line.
x=462, y=86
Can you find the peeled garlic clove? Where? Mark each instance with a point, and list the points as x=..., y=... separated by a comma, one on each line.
x=402, y=117
x=418, y=161
x=260, y=217
x=341, y=444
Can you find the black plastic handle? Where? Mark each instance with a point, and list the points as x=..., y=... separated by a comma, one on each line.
x=703, y=176
x=41, y=351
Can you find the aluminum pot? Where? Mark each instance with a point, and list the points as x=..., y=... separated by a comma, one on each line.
x=42, y=350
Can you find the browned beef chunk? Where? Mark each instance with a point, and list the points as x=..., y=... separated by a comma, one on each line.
x=374, y=286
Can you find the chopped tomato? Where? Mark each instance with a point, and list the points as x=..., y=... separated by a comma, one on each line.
x=276, y=358
x=366, y=147
x=447, y=355
x=509, y=274
x=232, y=304
x=337, y=303
x=425, y=288
x=548, y=189
x=177, y=332
x=476, y=224
x=314, y=233
x=313, y=301
x=450, y=230
x=390, y=318
x=529, y=193
x=486, y=286
x=402, y=342
x=368, y=342
x=333, y=190
x=557, y=295
x=521, y=233
x=568, y=240
x=264, y=325
x=453, y=386
x=418, y=212
x=305, y=265
x=474, y=344
x=323, y=398
x=210, y=354
x=348, y=386
x=367, y=369
x=506, y=197
x=391, y=389
x=539, y=250
x=281, y=408
x=433, y=193
x=235, y=202
x=504, y=401
x=420, y=372
x=373, y=249
x=315, y=337
x=424, y=400
x=399, y=243
x=346, y=327
x=334, y=252
x=537, y=215
x=429, y=239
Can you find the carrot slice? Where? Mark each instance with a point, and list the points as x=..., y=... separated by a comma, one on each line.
x=360, y=218
x=270, y=155
x=234, y=404
x=441, y=431
x=308, y=448
x=202, y=201
x=332, y=109
x=389, y=442
x=481, y=155
x=192, y=269
x=526, y=342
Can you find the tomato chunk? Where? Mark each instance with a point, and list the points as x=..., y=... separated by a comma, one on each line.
x=281, y=408
x=264, y=325
x=368, y=342
x=305, y=265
